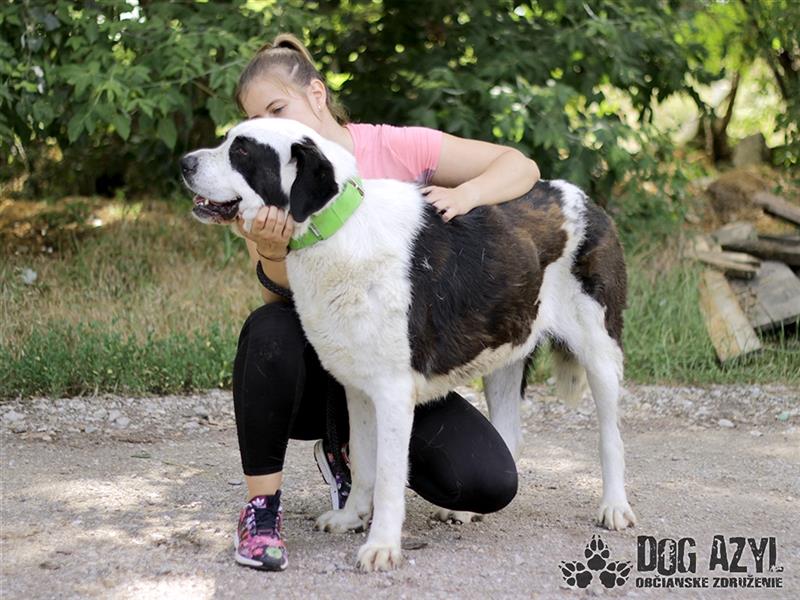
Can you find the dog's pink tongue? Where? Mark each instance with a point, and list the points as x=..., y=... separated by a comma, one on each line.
x=199, y=199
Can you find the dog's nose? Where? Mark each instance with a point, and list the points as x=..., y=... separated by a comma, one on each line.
x=188, y=165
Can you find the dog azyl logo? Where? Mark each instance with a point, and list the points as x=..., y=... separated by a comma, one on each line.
x=749, y=562
x=611, y=574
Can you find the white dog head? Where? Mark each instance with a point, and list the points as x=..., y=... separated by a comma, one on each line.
x=266, y=161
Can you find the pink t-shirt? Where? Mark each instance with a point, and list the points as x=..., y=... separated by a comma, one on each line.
x=390, y=152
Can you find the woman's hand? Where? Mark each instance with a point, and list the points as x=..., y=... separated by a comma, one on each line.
x=451, y=202
x=271, y=231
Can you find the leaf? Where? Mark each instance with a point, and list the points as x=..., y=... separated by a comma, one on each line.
x=91, y=32
x=51, y=22
x=219, y=110
x=75, y=126
x=122, y=123
x=167, y=132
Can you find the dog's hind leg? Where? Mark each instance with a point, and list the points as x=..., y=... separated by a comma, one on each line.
x=363, y=450
x=601, y=356
x=503, y=395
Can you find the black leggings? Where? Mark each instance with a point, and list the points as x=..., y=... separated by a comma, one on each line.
x=457, y=460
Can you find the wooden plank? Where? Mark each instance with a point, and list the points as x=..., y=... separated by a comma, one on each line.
x=771, y=298
x=793, y=240
x=768, y=250
x=702, y=243
x=733, y=264
x=726, y=323
x=775, y=205
x=738, y=230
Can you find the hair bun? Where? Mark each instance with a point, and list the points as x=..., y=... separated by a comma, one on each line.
x=291, y=42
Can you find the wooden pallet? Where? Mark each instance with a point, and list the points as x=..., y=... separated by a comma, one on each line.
x=727, y=326
x=775, y=205
x=772, y=298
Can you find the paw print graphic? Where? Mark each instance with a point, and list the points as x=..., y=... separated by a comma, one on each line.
x=575, y=574
x=611, y=574
x=596, y=553
x=615, y=574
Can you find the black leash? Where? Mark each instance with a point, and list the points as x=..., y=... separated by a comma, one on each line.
x=332, y=432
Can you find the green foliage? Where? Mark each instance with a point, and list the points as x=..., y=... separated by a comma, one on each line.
x=773, y=33
x=736, y=34
x=122, y=88
x=61, y=360
x=665, y=339
x=125, y=88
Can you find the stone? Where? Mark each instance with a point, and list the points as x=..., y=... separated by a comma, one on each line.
x=752, y=150
x=13, y=416
x=29, y=276
x=725, y=423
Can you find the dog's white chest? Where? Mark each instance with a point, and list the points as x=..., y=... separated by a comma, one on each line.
x=354, y=313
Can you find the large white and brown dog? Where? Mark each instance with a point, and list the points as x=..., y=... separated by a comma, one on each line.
x=401, y=306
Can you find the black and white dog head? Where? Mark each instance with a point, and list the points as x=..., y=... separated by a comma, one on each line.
x=266, y=161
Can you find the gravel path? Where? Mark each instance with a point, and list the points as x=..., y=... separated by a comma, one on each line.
x=111, y=497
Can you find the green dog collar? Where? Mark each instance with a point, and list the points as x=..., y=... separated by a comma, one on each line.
x=330, y=220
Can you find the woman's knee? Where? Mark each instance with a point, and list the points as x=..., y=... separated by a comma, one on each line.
x=462, y=485
x=493, y=494
x=273, y=330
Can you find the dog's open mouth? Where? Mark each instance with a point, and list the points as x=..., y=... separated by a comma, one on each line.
x=214, y=210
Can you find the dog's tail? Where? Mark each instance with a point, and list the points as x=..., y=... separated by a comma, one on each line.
x=571, y=384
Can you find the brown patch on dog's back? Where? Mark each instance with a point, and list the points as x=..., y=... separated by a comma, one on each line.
x=475, y=280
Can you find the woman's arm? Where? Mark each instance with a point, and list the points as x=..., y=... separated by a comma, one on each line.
x=473, y=173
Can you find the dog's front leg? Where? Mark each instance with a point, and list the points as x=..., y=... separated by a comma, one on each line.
x=394, y=412
x=363, y=451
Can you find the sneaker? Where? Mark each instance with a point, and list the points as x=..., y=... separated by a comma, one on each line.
x=337, y=477
x=258, y=541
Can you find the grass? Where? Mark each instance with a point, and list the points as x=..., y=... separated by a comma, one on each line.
x=149, y=301
x=665, y=337
x=140, y=298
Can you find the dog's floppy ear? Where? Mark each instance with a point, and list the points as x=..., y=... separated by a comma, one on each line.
x=315, y=182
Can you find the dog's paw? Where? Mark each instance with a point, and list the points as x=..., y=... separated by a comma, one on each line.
x=339, y=521
x=378, y=557
x=575, y=574
x=456, y=516
x=616, y=515
x=615, y=574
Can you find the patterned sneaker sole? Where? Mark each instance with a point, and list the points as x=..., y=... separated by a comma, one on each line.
x=257, y=564
x=327, y=474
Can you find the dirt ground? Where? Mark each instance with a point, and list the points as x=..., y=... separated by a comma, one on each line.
x=111, y=497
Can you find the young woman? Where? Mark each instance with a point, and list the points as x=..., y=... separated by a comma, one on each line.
x=280, y=389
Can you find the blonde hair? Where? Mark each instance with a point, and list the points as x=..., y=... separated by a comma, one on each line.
x=297, y=71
